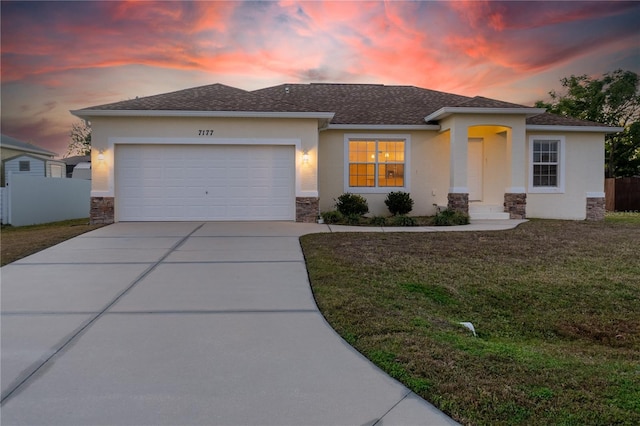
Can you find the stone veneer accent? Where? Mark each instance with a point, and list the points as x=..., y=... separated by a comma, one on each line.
x=307, y=209
x=595, y=208
x=458, y=201
x=102, y=210
x=516, y=205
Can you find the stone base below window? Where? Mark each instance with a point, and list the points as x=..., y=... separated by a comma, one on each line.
x=307, y=209
x=516, y=205
x=102, y=210
x=458, y=202
x=595, y=208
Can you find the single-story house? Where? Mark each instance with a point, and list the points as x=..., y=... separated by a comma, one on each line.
x=24, y=158
x=287, y=152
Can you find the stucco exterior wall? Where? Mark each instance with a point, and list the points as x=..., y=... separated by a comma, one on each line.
x=584, y=178
x=107, y=132
x=429, y=171
x=432, y=154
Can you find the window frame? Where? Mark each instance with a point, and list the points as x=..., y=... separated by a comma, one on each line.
x=348, y=137
x=559, y=188
x=24, y=166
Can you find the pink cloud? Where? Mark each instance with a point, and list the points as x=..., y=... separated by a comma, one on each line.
x=158, y=34
x=83, y=53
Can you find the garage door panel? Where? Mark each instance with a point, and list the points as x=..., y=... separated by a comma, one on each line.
x=189, y=182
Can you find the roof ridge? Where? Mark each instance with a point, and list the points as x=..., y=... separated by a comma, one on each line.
x=210, y=97
x=282, y=101
x=496, y=102
x=144, y=98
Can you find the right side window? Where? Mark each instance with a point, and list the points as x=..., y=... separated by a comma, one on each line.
x=546, y=164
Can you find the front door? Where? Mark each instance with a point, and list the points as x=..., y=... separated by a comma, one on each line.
x=474, y=172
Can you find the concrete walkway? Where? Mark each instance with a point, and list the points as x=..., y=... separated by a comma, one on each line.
x=190, y=324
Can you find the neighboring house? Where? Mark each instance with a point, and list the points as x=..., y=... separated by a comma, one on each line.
x=82, y=161
x=24, y=158
x=287, y=152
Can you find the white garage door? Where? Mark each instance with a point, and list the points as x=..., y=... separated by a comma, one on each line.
x=204, y=182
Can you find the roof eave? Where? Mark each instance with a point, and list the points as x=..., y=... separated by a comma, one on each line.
x=561, y=128
x=31, y=155
x=383, y=127
x=447, y=111
x=43, y=152
x=87, y=113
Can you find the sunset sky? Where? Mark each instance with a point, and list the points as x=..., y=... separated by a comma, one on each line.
x=58, y=56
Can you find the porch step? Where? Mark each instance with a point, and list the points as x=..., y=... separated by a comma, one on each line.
x=487, y=211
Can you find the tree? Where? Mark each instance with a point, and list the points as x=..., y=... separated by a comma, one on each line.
x=80, y=139
x=613, y=99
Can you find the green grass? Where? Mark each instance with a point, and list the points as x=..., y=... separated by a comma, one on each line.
x=623, y=217
x=555, y=304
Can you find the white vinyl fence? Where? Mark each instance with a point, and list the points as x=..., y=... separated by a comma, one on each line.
x=29, y=200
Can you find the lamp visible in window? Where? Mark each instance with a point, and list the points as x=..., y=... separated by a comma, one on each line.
x=305, y=157
x=101, y=155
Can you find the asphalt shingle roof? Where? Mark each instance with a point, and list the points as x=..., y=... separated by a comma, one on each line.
x=362, y=104
x=9, y=142
x=548, y=119
x=366, y=103
x=214, y=97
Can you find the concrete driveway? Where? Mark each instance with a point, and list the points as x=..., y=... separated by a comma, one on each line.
x=183, y=324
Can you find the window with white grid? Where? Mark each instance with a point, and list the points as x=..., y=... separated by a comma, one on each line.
x=546, y=164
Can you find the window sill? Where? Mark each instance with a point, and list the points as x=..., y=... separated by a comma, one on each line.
x=372, y=190
x=546, y=190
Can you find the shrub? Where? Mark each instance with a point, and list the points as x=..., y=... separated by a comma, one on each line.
x=450, y=217
x=352, y=204
x=402, y=220
x=333, y=216
x=353, y=219
x=399, y=203
x=378, y=221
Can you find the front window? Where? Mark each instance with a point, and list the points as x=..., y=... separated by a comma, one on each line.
x=375, y=163
x=546, y=167
x=24, y=166
x=545, y=163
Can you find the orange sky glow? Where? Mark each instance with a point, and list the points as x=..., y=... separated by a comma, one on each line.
x=58, y=56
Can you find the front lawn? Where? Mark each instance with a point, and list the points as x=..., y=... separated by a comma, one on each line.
x=556, y=305
x=22, y=241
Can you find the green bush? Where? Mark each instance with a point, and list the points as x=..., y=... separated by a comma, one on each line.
x=353, y=219
x=402, y=220
x=333, y=216
x=450, y=217
x=352, y=204
x=378, y=221
x=399, y=203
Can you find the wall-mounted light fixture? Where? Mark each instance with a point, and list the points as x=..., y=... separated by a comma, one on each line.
x=101, y=155
x=305, y=157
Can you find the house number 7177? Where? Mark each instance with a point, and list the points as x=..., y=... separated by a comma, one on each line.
x=205, y=132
